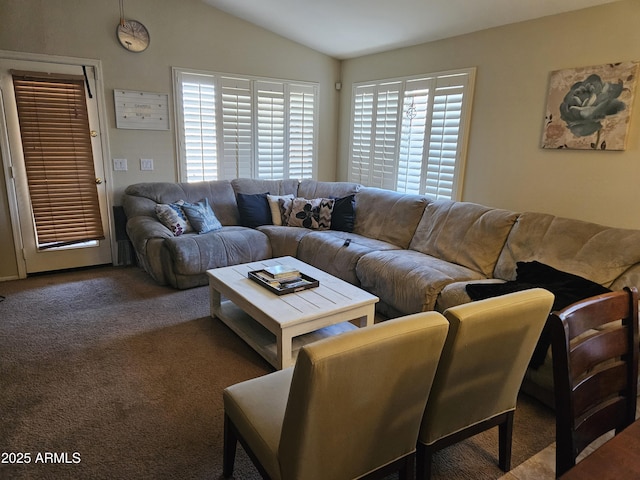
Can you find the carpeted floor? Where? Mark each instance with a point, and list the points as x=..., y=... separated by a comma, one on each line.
x=104, y=374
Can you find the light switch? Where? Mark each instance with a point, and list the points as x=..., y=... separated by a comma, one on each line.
x=146, y=164
x=120, y=164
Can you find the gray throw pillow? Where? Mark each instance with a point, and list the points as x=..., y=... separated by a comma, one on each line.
x=201, y=216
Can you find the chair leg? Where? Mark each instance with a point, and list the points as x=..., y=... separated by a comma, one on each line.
x=407, y=469
x=505, y=437
x=229, y=448
x=424, y=461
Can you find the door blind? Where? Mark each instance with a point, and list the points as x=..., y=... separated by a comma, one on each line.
x=56, y=141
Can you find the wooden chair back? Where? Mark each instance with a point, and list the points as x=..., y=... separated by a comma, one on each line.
x=595, y=370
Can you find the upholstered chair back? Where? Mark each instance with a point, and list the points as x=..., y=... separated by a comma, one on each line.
x=356, y=401
x=488, y=348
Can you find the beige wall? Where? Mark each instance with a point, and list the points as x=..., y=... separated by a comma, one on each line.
x=505, y=166
x=184, y=33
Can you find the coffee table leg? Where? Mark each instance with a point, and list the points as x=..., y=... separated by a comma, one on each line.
x=283, y=344
x=215, y=300
x=368, y=319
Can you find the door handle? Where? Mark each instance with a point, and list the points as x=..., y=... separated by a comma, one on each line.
x=98, y=181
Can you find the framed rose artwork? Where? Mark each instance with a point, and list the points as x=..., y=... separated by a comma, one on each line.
x=589, y=108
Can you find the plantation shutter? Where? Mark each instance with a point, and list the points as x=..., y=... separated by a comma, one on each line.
x=415, y=116
x=270, y=130
x=301, y=131
x=199, y=126
x=409, y=134
x=375, y=157
x=362, y=134
x=237, y=133
x=56, y=141
x=385, y=153
x=444, y=140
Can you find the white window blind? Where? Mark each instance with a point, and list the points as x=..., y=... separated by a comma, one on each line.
x=199, y=127
x=237, y=128
x=255, y=127
x=409, y=134
x=302, y=130
x=271, y=130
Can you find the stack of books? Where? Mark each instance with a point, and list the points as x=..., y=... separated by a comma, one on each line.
x=283, y=278
x=282, y=273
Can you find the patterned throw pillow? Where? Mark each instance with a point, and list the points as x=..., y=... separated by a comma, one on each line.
x=172, y=216
x=277, y=207
x=201, y=216
x=285, y=204
x=314, y=214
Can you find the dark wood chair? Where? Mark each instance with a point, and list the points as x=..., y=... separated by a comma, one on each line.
x=595, y=370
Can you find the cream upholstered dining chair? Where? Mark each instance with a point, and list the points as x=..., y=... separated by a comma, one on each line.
x=488, y=348
x=595, y=370
x=349, y=408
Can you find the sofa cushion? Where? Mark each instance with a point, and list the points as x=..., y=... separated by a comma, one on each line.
x=284, y=240
x=388, y=216
x=464, y=233
x=316, y=189
x=327, y=251
x=275, y=187
x=193, y=254
x=601, y=254
x=201, y=216
x=254, y=209
x=408, y=280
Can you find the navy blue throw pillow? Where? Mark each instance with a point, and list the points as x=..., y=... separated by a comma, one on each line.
x=343, y=215
x=254, y=209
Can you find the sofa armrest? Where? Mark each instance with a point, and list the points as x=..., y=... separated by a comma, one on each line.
x=142, y=228
x=456, y=293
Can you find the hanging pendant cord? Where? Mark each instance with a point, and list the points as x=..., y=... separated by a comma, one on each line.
x=122, y=21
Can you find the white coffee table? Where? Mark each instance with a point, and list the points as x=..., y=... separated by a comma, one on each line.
x=276, y=326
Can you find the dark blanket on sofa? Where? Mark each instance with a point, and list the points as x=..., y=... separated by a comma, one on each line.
x=566, y=287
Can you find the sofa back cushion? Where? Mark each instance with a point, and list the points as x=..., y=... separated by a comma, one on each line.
x=142, y=198
x=464, y=233
x=388, y=216
x=254, y=186
x=315, y=189
x=599, y=253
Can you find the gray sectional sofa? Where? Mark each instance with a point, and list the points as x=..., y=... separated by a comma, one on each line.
x=413, y=252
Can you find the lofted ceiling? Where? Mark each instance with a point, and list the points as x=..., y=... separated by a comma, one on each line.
x=350, y=28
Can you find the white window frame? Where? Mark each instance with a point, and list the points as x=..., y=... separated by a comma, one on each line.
x=261, y=127
x=382, y=152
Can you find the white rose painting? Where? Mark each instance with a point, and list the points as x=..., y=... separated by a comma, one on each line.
x=589, y=108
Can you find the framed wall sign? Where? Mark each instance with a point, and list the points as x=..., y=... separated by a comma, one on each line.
x=141, y=110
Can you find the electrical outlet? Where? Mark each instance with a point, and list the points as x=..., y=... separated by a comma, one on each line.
x=120, y=164
x=146, y=164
